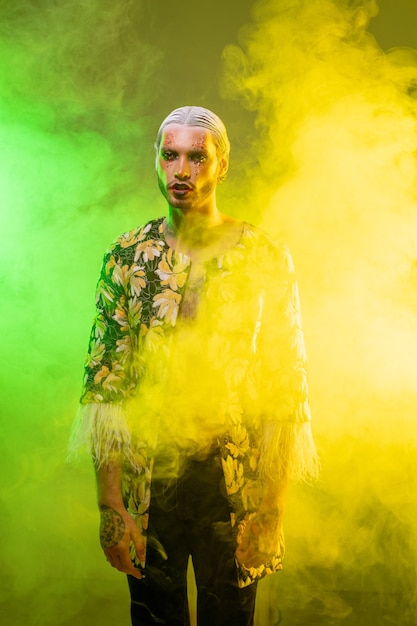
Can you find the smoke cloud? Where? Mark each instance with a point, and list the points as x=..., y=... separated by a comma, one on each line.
x=323, y=131
x=337, y=122
x=72, y=124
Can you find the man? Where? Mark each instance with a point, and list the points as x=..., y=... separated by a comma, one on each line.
x=195, y=400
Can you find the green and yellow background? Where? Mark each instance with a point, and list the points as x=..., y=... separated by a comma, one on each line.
x=319, y=97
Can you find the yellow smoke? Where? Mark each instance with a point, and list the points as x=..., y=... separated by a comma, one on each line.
x=336, y=119
x=329, y=168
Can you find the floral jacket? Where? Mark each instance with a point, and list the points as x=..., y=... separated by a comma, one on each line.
x=160, y=374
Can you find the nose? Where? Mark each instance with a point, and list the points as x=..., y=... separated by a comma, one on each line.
x=183, y=169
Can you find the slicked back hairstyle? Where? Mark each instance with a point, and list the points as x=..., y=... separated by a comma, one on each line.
x=199, y=116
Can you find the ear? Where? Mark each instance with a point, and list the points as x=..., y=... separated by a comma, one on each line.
x=222, y=171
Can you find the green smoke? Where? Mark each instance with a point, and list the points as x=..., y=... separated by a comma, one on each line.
x=329, y=165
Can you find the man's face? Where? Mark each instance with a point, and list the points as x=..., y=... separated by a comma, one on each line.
x=188, y=167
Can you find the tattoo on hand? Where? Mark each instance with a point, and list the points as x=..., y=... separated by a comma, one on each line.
x=112, y=527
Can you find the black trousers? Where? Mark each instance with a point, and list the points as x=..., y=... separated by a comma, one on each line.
x=190, y=516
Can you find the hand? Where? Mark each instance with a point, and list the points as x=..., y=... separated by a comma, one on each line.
x=117, y=530
x=259, y=539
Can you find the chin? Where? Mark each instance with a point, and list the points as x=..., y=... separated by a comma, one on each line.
x=181, y=204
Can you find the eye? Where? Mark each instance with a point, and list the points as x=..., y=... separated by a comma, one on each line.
x=167, y=155
x=199, y=157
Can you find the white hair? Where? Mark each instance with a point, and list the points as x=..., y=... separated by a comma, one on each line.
x=199, y=116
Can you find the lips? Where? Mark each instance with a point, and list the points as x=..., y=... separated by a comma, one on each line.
x=180, y=187
x=180, y=190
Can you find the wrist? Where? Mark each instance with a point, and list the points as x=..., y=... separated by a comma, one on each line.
x=109, y=486
x=274, y=497
x=110, y=503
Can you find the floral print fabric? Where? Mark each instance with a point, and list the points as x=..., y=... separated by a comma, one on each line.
x=239, y=344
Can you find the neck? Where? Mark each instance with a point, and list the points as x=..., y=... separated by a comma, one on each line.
x=191, y=231
x=192, y=224
x=199, y=235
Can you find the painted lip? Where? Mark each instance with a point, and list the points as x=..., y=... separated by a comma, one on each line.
x=180, y=189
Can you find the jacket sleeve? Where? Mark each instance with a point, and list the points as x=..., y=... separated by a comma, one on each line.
x=101, y=425
x=287, y=445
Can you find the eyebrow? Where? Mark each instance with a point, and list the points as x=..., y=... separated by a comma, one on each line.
x=192, y=152
x=198, y=151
